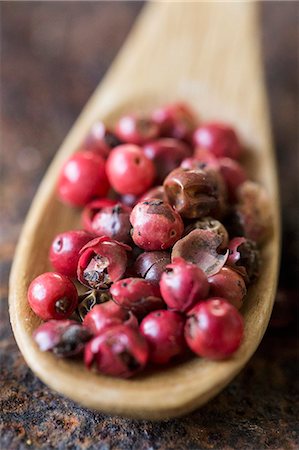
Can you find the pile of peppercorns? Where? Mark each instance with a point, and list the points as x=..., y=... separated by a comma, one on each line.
x=166, y=260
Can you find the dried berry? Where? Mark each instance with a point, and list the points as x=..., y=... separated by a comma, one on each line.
x=64, y=251
x=233, y=175
x=65, y=338
x=102, y=262
x=218, y=138
x=52, y=296
x=119, y=351
x=214, y=329
x=137, y=295
x=183, y=284
x=100, y=140
x=150, y=265
x=136, y=130
x=210, y=224
x=228, y=284
x=113, y=221
x=175, y=120
x=91, y=209
x=156, y=192
x=244, y=258
x=156, y=225
x=164, y=333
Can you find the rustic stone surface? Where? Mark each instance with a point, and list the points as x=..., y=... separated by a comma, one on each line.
x=52, y=57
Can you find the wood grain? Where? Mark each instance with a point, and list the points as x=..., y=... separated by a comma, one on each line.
x=207, y=54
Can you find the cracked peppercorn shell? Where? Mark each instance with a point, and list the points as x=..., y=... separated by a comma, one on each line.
x=64, y=251
x=218, y=138
x=82, y=178
x=119, y=351
x=183, y=284
x=64, y=338
x=135, y=129
x=244, y=257
x=228, y=284
x=156, y=225
x=91, y=209
x=210, y=224
x=52, y=295
x=214, y=328
x=193, y=193
x=164, y=333
x=129, y=171
x=166, y=154
x=113, y=221
x=151, y=265
x=137, y=295
x=102, y=261
x=106, y=315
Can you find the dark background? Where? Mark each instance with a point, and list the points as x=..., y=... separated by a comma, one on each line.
x=53, y=55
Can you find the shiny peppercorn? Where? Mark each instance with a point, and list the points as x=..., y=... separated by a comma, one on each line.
x=218, y=138
x=151, y=265
x=136, y=130
x=100, y=140
x=228, y=284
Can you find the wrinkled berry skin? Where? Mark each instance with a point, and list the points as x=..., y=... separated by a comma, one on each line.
x=119, y=351
x=91, y=209
x=106, y=315
x=129, y=170
x=193, y=193
x=52, y=296
x=82, y=178
x=137, y=295
x=183, y=284
x=176, y=121
x=228, y=284
x=100, y=140
x=233, y=175
x=164, y=333
x=156, y=225
x=244, y=258
x=113, y=221
x=166, y=154
x=210, y=224
x=65, y=338
x=102, y=261
x=64, y=251
x=214, y=329
x=219, y=138
x=136, y=130
x=151, y=265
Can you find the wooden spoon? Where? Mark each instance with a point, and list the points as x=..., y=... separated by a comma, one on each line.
x=207, y=54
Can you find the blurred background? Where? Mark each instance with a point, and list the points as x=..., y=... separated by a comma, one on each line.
x=53, y=55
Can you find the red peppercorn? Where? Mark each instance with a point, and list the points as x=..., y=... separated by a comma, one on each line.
x=214, y=328
x=233, y=174
x=129, y=170
x=156, y=225
x=175, y=120
x=65, y=338
x=244, y=258
x=136, y=130
x=64, y=251
x=136, y=294
x=113, y=221
x=205, y=156
x=83, y=178
x=219, y=138
x=166, y=154
x=228, y=284
x=102, y=262
x=100, y=140
x=92, y=208
x=151, y=265
x=164, y=333
x=156, y=192
x=52, y=296
x=183, y=284
x=106, y=315
x=118, y=351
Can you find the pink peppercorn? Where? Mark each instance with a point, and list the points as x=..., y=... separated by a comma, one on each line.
x=52, y=296
x=119, y=351
x=156, y=225
x=129, y=170
x=82, y=178
x=64, y=251
x=164, y=333
x=175, y=120
x=183, y=284
x=100, y=140
x=220, y=139
x=228, y=284
x=214, y=328
x=136, y=130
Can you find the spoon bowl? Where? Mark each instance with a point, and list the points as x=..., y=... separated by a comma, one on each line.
x=208, y=55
